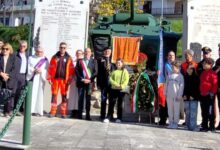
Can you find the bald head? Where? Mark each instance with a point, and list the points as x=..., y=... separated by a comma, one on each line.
x=39, y=51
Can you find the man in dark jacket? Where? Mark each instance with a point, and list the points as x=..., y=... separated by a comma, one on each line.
x=86, y=71
x=22, y=59
x=105, y=67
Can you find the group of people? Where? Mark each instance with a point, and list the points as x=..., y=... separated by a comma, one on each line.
x=13, y=69
x=62, y=72
x=188, y=82
x=191, y=82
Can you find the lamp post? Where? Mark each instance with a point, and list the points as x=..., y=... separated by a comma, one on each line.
x=27, y=114
x=161, y=15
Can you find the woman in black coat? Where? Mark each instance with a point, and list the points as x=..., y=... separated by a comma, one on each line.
x=7, y=75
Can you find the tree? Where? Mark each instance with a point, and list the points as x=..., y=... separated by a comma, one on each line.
x=110, y=7
x=13, y=35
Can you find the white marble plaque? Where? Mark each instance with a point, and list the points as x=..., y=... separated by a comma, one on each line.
x=61, y=21
x=204, y=24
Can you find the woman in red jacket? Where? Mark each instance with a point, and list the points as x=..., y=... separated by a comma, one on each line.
x=208, y=88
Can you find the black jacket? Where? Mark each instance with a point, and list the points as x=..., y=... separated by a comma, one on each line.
x=217, y=64
x=191, y=86
x=11, y=69
x=200, y=67
x=103, y=76
x=79, y=71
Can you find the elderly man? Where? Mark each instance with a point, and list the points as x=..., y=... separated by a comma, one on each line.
x=86, y=71
x=22, y=58
x=104, y=69
x=60, y=74
x=37, y=71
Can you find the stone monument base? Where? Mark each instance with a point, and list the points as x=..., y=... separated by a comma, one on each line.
x=139, y=117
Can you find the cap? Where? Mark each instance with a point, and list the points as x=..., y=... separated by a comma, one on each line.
x=206, y=50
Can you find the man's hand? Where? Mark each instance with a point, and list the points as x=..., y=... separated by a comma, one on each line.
x=87, y=81
x=184, y=97
x=5, y=76
x=178, y=99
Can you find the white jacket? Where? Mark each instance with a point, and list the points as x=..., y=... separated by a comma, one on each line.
x=174, y=85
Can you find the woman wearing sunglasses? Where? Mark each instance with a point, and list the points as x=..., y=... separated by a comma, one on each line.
x=7, y=75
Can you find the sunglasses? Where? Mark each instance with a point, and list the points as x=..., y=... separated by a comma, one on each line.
x=62, y=47
x=5, y=49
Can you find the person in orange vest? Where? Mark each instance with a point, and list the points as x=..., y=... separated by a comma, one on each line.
x=60, y=73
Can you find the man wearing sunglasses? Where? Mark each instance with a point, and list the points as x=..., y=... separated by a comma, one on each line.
x=60, y=73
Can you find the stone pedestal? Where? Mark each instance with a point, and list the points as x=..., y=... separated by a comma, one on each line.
x=140, y=117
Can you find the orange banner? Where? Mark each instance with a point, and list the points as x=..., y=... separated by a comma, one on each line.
x=126, y=48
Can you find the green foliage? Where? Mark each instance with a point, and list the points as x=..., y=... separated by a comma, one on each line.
x=177, y=26
x=110, y=7
x=13, y=35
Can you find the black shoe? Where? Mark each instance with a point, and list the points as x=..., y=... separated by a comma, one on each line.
x=162, y=123
x=213, y=130
x=218, y=128
x=88, y=118
x=64, y=117
x=203, y=130
x=79, y=117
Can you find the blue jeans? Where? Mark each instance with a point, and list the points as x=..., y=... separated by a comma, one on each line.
x=191, y=109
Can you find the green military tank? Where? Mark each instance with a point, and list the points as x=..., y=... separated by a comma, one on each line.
x=133, y=24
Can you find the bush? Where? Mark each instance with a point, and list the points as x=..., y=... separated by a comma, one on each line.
x=13, y=35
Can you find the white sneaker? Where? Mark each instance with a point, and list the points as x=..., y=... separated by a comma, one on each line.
x=106, y=120
x=118, y=121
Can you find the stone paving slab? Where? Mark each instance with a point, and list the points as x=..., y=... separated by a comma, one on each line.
x=72, y=134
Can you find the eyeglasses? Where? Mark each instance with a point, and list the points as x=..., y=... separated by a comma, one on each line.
x=62, y=47
x=5, y=49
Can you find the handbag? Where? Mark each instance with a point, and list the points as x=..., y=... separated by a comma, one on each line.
x=5, y=95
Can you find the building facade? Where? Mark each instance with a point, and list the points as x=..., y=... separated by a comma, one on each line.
x=164, y=7
x=15, y=12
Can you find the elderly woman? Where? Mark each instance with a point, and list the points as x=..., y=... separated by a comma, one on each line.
x=7, y=75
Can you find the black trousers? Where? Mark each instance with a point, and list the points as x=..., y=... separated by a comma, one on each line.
x=9, y=105
x=163, y=114
x=104, y=97
x=84, y=90
x=207, y=106
x=21, y=80
x=115, y=96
